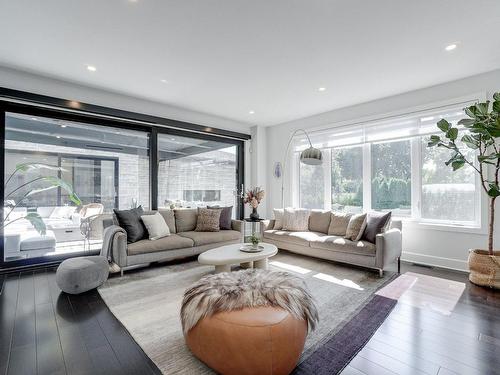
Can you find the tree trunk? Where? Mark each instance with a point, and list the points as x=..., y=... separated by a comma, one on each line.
x=492, y=223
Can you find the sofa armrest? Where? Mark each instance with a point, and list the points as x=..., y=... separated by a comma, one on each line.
x=118, y=244
x=265, y=225
x=389, y=247
x=238, y=225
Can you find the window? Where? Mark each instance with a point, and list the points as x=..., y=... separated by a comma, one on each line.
x=107, y=167
x=447, y=195
x=194, y=171
x=391, y=177
x=347, y=179
x=386, y=166
x=312, y=189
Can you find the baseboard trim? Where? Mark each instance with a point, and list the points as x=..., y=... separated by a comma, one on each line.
x=430, y=260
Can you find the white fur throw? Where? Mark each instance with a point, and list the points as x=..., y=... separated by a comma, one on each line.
x=229, y=291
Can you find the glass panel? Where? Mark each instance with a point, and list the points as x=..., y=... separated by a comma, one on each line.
x=312, y=187
x=107, y=167
x=196, y=172
x=347, y=179
x=447, y=195
x=391, y=177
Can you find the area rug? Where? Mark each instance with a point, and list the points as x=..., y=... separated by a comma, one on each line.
x=148, y=302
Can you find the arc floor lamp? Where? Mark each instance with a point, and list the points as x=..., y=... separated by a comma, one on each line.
x=310, y=156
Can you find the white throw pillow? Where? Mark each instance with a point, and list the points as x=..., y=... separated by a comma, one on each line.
x=296, y=220
x=156, y=225
x=278, y=218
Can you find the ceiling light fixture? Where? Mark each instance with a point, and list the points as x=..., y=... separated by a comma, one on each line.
x=58, y=136
x=163, y=81
x=63, y=126
x=251, y=112
x=451, y=47
x=91, y=68
x=322, y=89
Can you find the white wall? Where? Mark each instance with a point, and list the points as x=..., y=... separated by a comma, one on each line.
x=445, y=248
x=24, y=81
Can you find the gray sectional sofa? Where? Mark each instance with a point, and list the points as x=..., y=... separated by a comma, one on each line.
x=183, y=241
x=386, y=250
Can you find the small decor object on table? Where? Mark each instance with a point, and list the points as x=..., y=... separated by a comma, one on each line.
x=253, y=197
x=255, y=241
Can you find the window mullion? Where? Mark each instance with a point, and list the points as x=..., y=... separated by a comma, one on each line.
x=416, y=178
x=367, y=178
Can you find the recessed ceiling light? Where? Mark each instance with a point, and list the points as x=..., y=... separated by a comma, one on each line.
x=63, y=126
x=58, y=136
x=451, y=47
x=251, y=112
x=321, y=88
x=163, y=81
x=91, y=68
x=34, y=118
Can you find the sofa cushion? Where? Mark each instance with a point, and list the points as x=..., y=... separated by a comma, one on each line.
x=169, y=217
x=296, y=219
x=278, y=218
x=208, y=220
x=375, y=224
x=156, y=226
x=356, y=227
x=225, y=216
x=185, y=219
x=341, y=244
x=205, y=238
x=319, y=221
x=172, y=242
x=298, y=238
x=130, y=220
x=338, y=223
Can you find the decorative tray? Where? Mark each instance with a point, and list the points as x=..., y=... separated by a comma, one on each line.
x=250, y=249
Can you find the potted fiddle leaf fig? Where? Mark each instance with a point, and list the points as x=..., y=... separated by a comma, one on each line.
x=27, y=190
x=481, y=133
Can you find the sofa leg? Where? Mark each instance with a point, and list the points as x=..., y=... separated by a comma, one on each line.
x=380, y=272
x=121, y=272
x=399, y=264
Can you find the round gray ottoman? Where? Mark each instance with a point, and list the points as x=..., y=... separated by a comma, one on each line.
x=78, y=275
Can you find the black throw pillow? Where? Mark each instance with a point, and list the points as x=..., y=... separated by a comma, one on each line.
x=225, y=216
x=375, y=223
x=130, y=220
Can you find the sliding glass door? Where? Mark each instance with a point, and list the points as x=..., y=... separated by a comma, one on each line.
x=197, y=171
x=62, y=180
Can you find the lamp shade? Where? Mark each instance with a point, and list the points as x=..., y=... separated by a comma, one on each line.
x=311, y=156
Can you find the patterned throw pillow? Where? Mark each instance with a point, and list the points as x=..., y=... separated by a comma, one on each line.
x=296, y=220
x=208, y=220
x=225, y=216
x=278, y=218
x=338, y=223
x=356, y=227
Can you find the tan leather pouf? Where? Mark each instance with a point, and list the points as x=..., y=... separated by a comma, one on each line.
x=254, y=340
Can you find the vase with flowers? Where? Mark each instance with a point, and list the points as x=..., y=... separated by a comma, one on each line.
x=253, y=197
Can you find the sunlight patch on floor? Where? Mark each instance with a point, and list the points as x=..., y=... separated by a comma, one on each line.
x=334, y=280
x=290, y=267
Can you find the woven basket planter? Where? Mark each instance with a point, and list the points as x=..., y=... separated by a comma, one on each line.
x=484, y=268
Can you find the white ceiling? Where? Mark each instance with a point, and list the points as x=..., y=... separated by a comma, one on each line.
x=228, y=57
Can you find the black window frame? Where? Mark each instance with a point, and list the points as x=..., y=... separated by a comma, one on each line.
x=14, y=101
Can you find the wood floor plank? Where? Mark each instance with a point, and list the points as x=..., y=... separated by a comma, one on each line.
x=49, y=356
x=8, y=306
x=369, y=368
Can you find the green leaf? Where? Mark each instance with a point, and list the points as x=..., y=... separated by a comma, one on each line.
x=64, y=185
x=37, y=222
x=466, y=122
x=452, y=134
x=496, y=106
x=457, y=164
x=494, y=190
x=482, y=108
x=471, y=111
x=496, y=96
x=24, y=167
x=433, y=140
x=443, y=125
x=470, y=142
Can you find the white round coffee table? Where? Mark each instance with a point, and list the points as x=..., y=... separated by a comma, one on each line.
x=223, y=257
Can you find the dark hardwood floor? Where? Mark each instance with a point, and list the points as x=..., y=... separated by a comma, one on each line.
x=44, y=331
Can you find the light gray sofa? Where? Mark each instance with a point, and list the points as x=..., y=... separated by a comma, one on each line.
x=386, y=250
x=183, y=241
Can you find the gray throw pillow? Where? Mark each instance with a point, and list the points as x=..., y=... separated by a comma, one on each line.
x=225, y=216
x=130, y=220
x=375, y=224
x=319, y=221
x=208, y=220
x=156, y=226
x=356, y=227
x=185, y=219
